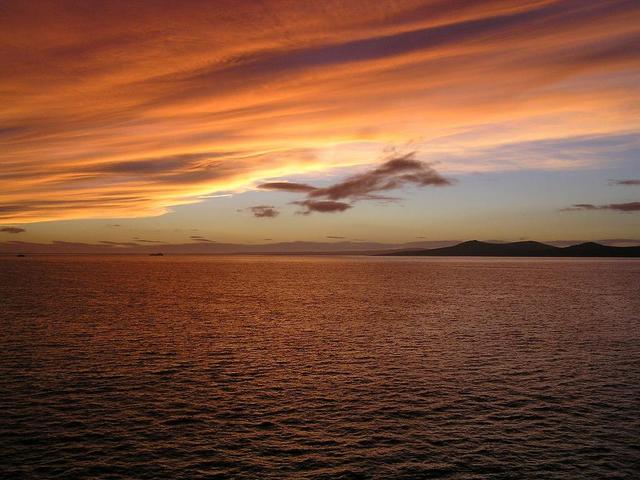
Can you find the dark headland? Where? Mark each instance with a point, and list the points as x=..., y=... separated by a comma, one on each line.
x=475, y=248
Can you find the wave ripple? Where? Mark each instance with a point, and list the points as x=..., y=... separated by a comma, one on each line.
x=314, y=368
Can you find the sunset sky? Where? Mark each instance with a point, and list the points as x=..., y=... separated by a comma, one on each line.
x=281, y=120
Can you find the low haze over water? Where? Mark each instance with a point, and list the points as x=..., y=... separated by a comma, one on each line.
x=319, y=367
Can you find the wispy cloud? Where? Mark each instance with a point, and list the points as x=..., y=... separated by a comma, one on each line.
x=144, y=240
x=199, y=238
x=393, y=174
x=118, y=244
x=183, y=119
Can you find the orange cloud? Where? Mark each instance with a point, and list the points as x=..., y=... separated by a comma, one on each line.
x=120, y=109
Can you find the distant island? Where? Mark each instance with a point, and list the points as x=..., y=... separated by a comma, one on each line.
x=475, y=248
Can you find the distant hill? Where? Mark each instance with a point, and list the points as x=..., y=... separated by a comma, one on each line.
x=474, y=248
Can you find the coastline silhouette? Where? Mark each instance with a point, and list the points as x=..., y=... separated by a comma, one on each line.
x=475, y=248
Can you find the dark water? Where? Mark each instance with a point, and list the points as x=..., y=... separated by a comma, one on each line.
x=197, y=367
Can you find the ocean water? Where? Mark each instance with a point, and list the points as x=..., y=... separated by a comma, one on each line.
x=319, y=367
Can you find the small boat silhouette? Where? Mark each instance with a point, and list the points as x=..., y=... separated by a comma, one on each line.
x=159, y=254
x=21, y=255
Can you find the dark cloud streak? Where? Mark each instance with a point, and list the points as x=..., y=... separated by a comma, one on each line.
x=287, y=187
x=264, y=211
x=322, y=206
x=13, y=230
x=625, y=182
x=619, y=207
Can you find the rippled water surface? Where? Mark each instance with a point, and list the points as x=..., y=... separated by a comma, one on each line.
x=318, y=367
